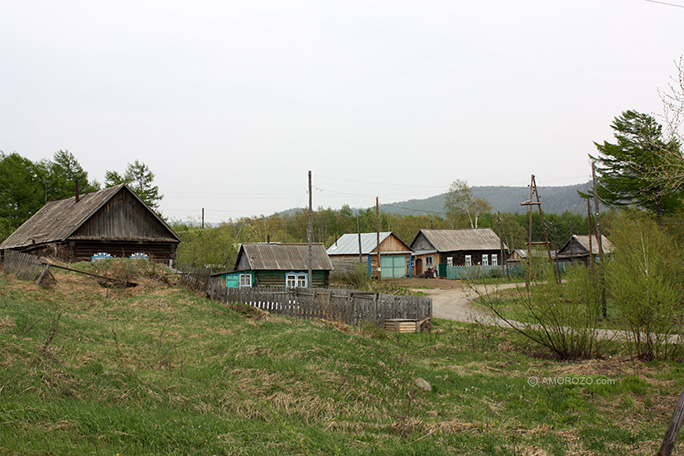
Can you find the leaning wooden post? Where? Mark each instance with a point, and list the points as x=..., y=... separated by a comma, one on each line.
x=673, y=429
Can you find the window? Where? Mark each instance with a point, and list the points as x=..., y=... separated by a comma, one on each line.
x=428, y=261
x=468, y=260
x=294, y=279
x=245, y=280
x=485, y=260
x=450, y=261
x=495, y=259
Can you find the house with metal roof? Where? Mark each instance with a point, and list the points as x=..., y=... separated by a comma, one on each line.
x=279, y=265
x=113, y=222
x=351, y=249
x=468, y=247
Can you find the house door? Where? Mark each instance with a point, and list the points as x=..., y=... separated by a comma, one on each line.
x=392, y=267
x=419, y=267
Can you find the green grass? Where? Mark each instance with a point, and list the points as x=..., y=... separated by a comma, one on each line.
x=157, y=370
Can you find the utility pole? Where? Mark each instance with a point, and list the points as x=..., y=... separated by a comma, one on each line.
x=604, y=305
x=377, y=223
x=501, y=247
x=309, y=236
x=535, y=193
x=571, y=245
x=591, y=249
x=202, y=218
x=358, y=230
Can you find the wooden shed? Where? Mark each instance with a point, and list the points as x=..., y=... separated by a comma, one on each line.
x=111, y=222
x=578, y=247
x=278, y=265
x=468, y=247
x=395, y=255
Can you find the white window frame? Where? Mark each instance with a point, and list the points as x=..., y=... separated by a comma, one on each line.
x=485, y=259
x=245, y=283
x=468, y=260
x=296, y=279
x=450, y=261
x=495, y=259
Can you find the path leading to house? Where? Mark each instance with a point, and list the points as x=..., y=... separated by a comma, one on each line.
x=452, y=300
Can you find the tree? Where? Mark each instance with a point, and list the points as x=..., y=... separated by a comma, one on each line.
x=626, y=169
x=20, y=191
x=460, y=205
x=140, y=179
x=60, y=175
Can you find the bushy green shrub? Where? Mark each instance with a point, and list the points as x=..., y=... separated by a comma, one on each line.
x=644, y=280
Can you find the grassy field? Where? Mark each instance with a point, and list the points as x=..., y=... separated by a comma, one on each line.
x=154, y=369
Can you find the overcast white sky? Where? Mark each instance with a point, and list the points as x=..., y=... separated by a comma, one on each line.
x=230, y=103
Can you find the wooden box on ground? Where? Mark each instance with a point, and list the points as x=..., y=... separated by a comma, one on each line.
x=401, y=325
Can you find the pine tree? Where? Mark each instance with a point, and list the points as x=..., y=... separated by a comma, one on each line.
x=626, y=169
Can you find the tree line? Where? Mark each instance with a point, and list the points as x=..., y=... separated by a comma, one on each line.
x=26, y=185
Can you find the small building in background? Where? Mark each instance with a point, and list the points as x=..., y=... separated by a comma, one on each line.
x=113, y=222
x=578, y=248
x=437, y=249
x=278, y=265
x=395, y=255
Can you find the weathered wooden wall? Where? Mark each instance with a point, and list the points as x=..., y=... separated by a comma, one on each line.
x=123, y=218
x=393, y=244
x=277, y=278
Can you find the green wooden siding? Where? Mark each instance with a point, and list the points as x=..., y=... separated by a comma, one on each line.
x=232, y=279
x=277, y=278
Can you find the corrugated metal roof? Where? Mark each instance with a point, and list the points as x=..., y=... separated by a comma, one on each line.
x=57, y=220
x=348, y=244
x=467, y=239
x=284, y=257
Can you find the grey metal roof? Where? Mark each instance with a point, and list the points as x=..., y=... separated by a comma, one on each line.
x=348, y=244
x=283, y=257
x=467, y=239
x=58, y=220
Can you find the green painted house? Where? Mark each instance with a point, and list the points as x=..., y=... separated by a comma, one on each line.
x=279, y=265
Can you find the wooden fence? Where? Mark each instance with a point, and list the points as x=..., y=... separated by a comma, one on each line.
x=195, y=278
x=336, y=304
x=22, y=265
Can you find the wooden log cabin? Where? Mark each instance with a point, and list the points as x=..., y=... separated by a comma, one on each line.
x=467, y=247
x=113, y=221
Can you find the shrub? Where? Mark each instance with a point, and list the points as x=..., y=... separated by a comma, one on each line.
x=644, y=279
x=561, y=317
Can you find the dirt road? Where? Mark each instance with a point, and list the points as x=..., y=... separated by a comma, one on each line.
x=454, y=302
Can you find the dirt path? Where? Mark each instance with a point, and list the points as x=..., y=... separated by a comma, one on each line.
x=455, y=303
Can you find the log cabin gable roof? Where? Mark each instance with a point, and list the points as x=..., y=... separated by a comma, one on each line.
x=59, y=220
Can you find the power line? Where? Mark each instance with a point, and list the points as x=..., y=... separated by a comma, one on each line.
x=665, y=3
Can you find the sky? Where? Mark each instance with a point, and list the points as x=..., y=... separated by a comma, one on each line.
x=230, y=103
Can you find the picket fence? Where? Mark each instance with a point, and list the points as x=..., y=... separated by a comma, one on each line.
x=22, y=265
x=334, y=304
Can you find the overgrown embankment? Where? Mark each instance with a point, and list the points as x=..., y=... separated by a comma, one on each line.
x=155, y=369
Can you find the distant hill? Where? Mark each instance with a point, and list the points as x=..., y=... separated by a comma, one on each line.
x=554, y=200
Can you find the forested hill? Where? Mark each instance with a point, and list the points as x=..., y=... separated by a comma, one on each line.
x=555, y=200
